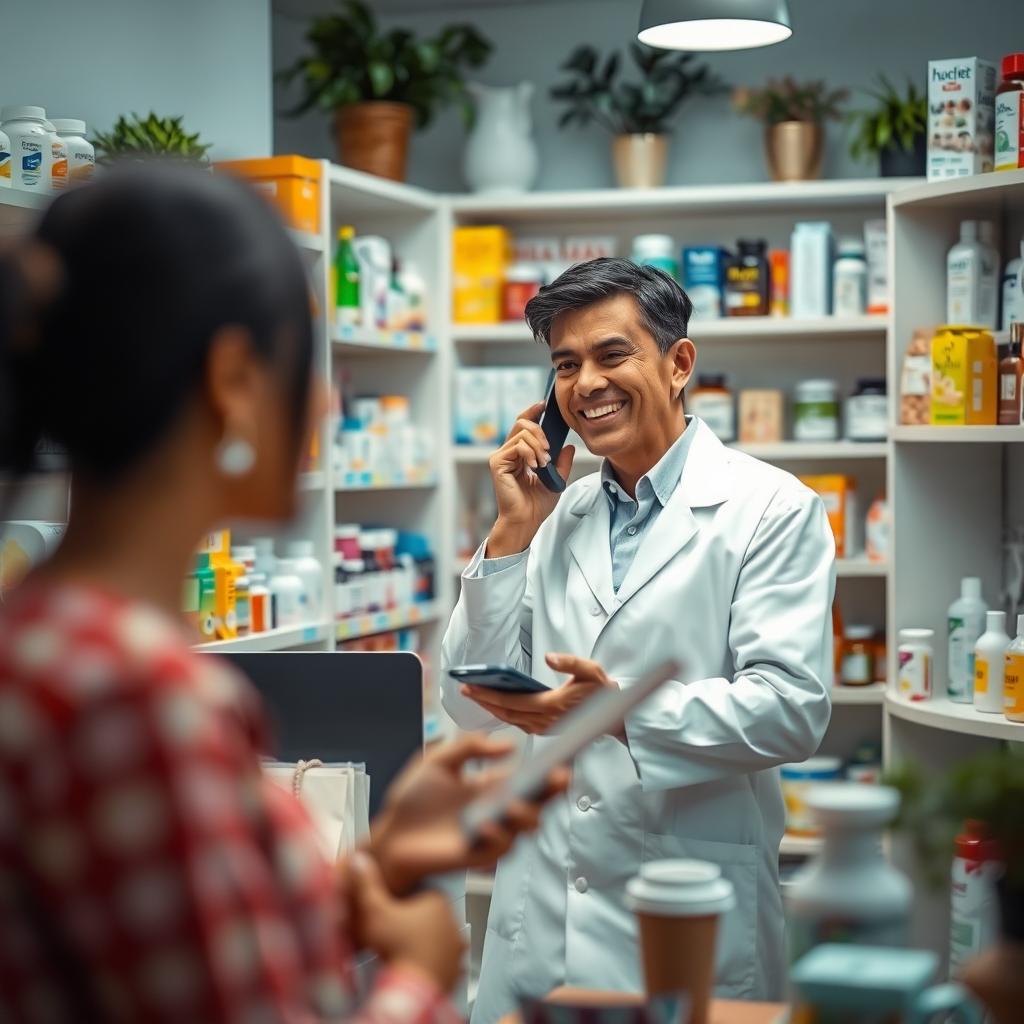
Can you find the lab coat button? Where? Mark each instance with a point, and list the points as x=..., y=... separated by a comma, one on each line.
x=631, y=531
x=595, y=610
x=581, y=885
x=584, y=803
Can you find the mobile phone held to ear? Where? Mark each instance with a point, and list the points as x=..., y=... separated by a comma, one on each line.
x=555, y=430
x=498, y=677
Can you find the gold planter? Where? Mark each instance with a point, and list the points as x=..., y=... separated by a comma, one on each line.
x=374, y=137
x=640, y=160
x=794, y=150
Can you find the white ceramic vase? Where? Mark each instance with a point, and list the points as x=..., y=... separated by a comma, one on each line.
x=501, y=156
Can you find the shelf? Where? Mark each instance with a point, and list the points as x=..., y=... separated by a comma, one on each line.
x=271, y=640
x=784, y=451
x=307, y=240
x=616, y=203
x=942, y=713
x=355, y=340
x=954, y=192
x=369, y=194
x=861, y=568
x=739, y=328
x=384, y=622
x=313, y=481
x=353, y=482
x=800, y=846
x=859, y=695
x=959, y=435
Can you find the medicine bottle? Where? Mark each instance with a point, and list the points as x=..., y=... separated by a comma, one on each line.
x=1009, y=149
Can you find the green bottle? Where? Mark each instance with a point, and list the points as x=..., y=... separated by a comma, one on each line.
x=346, y=279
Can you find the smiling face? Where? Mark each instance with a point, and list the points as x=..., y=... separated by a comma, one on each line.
x=615, y=387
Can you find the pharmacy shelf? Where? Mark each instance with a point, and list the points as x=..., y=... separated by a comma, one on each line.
x=862, y=696
x=354, y=482
x=800, y=846
x=861, y=568
x=307, y=241
x=367, y=194
x=384, y=622
x=959, y=435
x=959, y=192
x=942, y=713
x=271, y=640
x=613, y=204
x=353, y=340
x=313, y=481
x=786, y=451
x=739, y=328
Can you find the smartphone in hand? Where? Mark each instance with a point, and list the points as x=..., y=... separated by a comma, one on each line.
x=555, y=430
x=497, y=677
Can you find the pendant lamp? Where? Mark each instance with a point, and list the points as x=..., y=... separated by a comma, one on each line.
x=713, y=24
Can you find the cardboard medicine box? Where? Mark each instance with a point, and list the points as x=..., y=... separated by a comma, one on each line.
x=480, y=257
x=961, y=117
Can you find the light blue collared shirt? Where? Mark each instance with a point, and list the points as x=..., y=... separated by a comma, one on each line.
x=630, y=520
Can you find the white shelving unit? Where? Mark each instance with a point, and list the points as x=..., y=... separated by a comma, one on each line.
x=284, y=639
x=872, y=695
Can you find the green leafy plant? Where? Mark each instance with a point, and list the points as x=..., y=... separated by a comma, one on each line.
x=353, y=61
x=789, y=100
x=897, y=120
x=988, y=787
x=153, y=136
x=625, y=108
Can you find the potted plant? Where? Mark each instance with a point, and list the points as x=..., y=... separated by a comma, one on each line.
x=895, y=130
x=153, y=136
x=988, y=788
x=636, y=113
x=794, y=117
x=378, y=83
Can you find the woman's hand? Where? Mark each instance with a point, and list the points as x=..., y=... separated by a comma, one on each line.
x=418, y=833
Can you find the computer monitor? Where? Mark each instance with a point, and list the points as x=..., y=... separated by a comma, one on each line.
x=343, y=706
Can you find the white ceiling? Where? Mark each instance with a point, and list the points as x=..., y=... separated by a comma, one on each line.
x=305, y=8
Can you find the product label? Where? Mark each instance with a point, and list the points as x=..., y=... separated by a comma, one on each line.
x=816, y=421
x=1008, y=387
x=1009, y=132
x=917, y=375
x=1013, y=693
x=974, y=908
x=961, y=655
x=980, y=675
x=914, y=681
x=5, y=164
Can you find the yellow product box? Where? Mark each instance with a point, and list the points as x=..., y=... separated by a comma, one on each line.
x=291, y=183
x=480, y=256
x=964, y=372
x=217, y=545
x=1013, y=692
x=225, y=614
x=839, y=495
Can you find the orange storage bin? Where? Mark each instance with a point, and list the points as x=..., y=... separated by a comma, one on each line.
x=292, y=184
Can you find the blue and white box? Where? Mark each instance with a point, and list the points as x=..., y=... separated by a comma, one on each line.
x=702, y=278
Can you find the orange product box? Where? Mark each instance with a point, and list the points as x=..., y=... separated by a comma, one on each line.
x=839, y=495
x=761, y=416
x=480, y=257
x=291, y=183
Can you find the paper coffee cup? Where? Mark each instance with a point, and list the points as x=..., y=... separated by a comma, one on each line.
x=678, y=904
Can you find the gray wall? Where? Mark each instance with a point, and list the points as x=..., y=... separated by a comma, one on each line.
x=843, y=41
x=206, y=59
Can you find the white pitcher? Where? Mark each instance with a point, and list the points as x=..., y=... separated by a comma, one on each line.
x=501, y=156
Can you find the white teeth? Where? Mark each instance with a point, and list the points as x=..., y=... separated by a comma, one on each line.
x=603, y=410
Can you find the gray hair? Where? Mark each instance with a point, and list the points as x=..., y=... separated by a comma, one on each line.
x=664, y=307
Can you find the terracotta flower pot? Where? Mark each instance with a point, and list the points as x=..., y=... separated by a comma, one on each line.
x=374, y=137
x=640, y=160
x=794, y=150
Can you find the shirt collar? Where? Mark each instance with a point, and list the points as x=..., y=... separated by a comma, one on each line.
x=663, y=477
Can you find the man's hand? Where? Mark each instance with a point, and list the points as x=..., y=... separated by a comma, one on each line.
x=418, y=833
x=539, y=713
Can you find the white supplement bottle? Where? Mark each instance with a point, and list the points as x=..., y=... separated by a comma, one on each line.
x=989, y=653
x=974, y=903
x=914, y=664
x=311, y=572
x=1013, y=289
x=1013, y=676
x=850, y=279
x=31, y=148
x=972, y=277
x=965, y=623
x=58, y=160
x=5, y=160
x=287, y=591
x=81, y=155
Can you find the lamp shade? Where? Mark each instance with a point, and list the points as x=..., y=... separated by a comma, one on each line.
x=713, y=24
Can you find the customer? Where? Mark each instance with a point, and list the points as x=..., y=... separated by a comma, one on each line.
x=679, y=548
x=157, y=325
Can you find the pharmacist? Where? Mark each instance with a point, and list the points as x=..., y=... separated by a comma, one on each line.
x=679, y=547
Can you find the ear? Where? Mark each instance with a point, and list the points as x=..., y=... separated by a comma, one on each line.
x=232, y=384
x=684, y=360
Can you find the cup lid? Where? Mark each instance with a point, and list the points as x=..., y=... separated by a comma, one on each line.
x=686, y=888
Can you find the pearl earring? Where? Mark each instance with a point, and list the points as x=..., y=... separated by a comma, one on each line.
x=235, y=457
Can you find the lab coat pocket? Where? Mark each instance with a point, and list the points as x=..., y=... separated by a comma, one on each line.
x=736, y=956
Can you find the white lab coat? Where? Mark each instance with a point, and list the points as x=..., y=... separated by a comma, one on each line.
x=734, y=580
